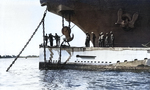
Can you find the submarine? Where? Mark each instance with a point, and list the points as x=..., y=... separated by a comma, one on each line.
x=129, y=20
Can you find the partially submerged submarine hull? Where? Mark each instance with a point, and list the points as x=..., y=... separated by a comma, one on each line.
x=102, y=16
x=92, y=58
x=96, y=58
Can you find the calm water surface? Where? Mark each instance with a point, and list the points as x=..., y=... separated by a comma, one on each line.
x=25, y=75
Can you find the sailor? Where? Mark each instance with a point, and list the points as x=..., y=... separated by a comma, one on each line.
x=112, y=39
x=106, y=40
x=57, y=38
x=101, y=39
x=93, y=38
x=51, y=39
x=45, y=39
x=87, y=41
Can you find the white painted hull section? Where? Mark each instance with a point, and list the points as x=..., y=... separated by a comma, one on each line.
x=103, y=56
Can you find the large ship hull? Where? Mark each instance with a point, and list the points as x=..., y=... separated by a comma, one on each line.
x=102, y=16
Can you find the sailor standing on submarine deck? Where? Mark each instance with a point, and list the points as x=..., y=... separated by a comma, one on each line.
x=51, y=39
x=87, y=41
x=101, y=39
x=93, y=38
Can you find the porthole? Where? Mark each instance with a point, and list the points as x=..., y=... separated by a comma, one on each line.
x=125, y=60
x=145, y=58
x=118, y=61
x=135, y=59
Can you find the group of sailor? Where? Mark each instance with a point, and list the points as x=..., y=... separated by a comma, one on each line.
x=50, y=38
x=103, y=40
x=106, y=41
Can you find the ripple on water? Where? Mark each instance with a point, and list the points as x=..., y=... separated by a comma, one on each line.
x=25, y=75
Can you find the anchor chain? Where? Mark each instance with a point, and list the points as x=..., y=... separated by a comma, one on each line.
x=28, y=40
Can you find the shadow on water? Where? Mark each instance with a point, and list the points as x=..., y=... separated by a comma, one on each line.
x=93, y=80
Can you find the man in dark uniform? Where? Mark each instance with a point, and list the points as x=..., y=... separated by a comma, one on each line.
x=93, y=38
x=57, y=38
x=107, y=40
x=45, y=40
x=51, y=39
x=101, y=39
x=112, y=39
x=87, y=41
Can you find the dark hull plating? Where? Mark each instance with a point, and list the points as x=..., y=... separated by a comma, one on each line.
x=101, y=15
x=48, y=66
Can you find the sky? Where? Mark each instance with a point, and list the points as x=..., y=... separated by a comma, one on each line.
x=18, y=21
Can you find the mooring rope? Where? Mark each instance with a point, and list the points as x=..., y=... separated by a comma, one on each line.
x=28, y=41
